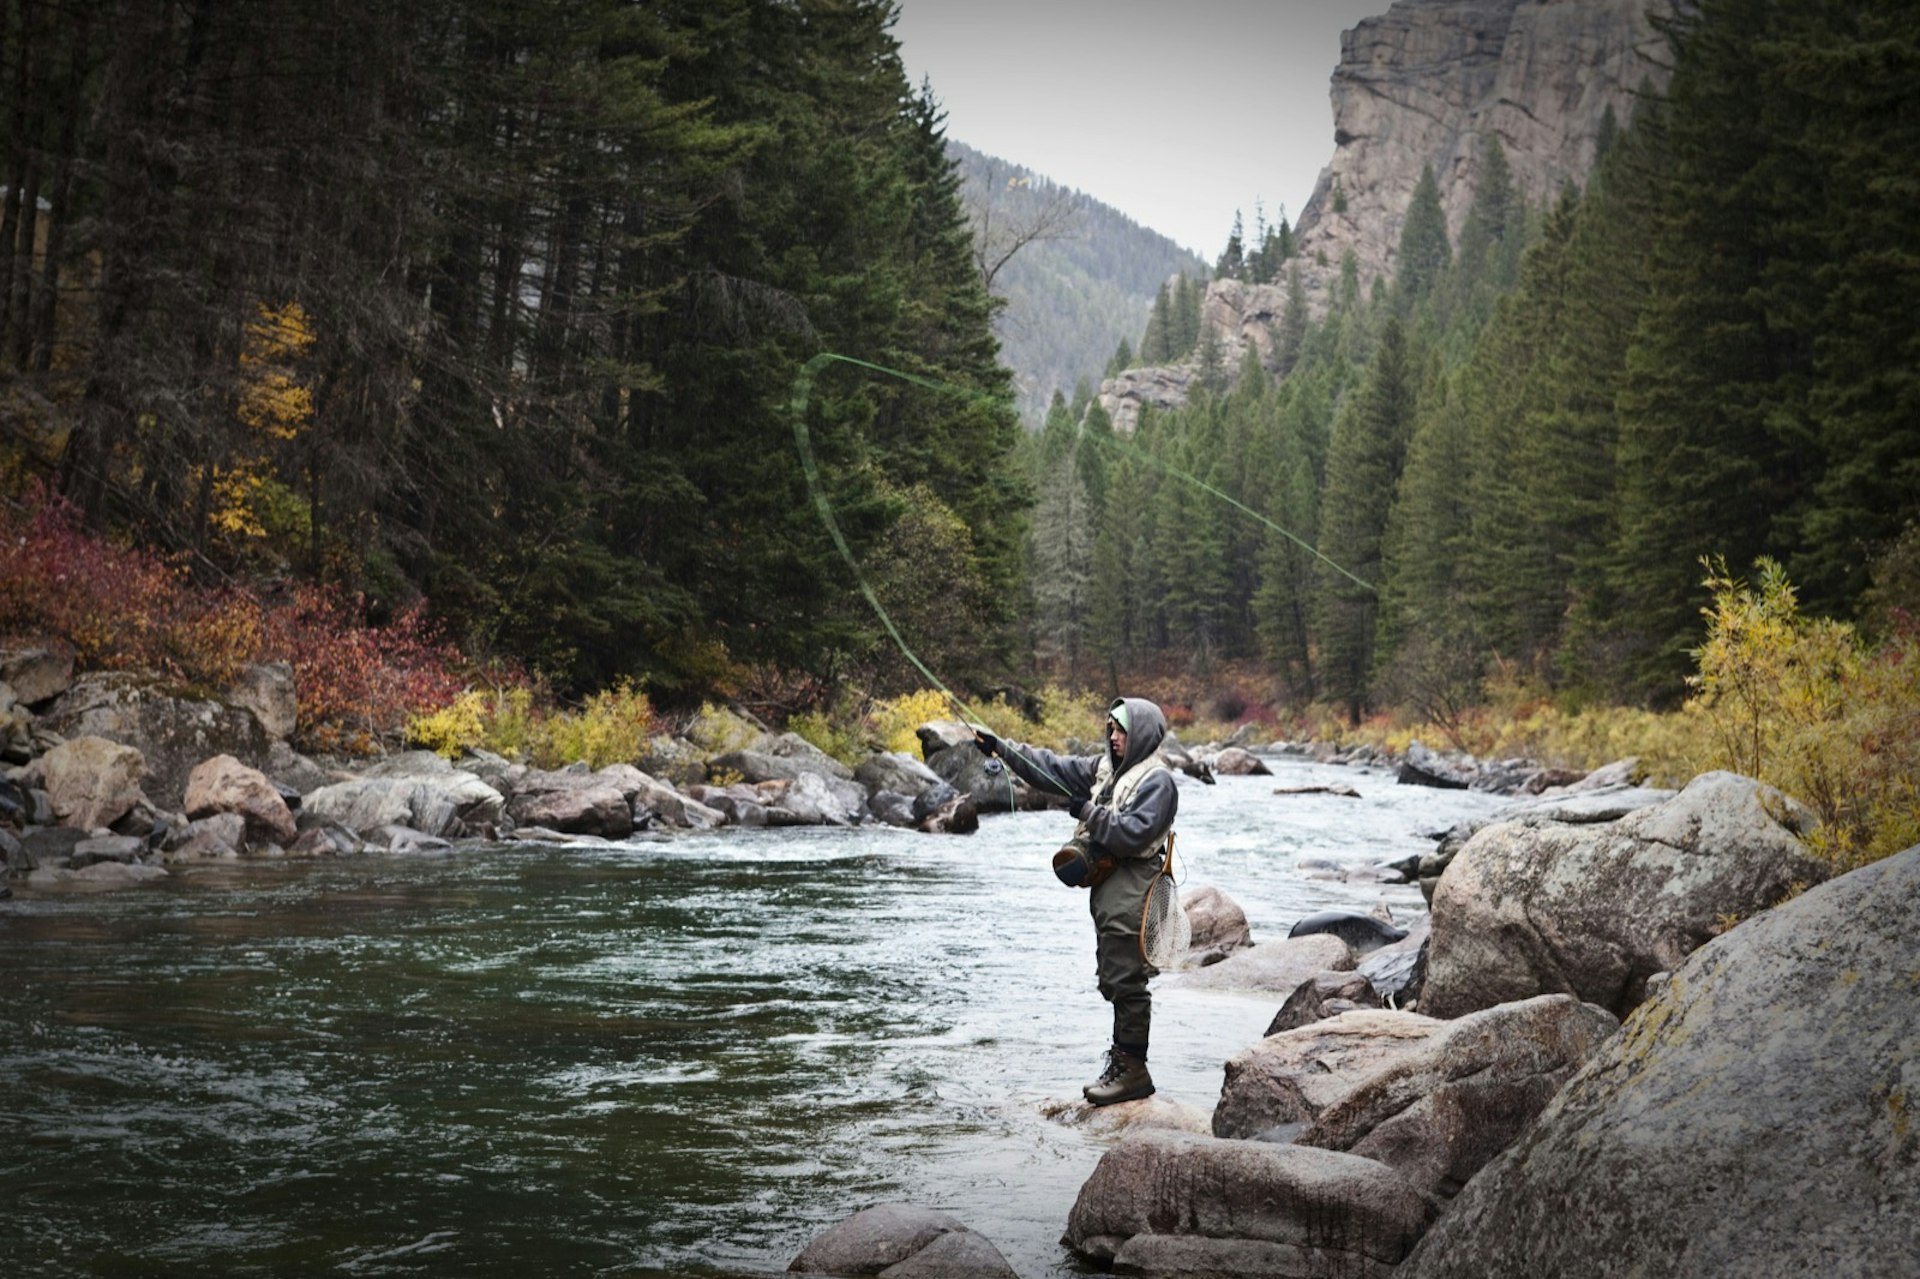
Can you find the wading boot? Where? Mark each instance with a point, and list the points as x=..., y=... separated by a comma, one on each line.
x=1124, y=1079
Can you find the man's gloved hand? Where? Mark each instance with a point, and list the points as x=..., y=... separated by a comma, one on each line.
x=984, y=738
x=1078, y=807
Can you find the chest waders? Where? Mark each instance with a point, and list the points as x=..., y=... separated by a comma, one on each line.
x=1116, y=905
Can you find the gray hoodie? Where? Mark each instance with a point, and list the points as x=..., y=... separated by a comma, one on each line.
x=1144, y=823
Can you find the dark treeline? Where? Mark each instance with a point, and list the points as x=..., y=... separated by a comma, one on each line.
x=501, y=302
x=1517, y=450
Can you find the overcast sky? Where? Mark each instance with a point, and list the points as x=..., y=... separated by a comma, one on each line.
x=1175, y=112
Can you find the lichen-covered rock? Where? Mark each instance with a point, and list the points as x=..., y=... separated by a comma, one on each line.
x=267, y=690
x=1755, y=1116
x=1594, y=911
x=173, y=733
x=91, y=781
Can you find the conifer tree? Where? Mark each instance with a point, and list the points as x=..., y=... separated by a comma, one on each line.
x=1424, y=249
x=1366, y=456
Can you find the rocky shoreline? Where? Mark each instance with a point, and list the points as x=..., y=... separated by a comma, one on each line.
x=1637, y=1036
x=107, y=779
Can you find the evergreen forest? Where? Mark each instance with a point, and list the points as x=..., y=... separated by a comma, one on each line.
x=495, y=309
x=1524, y=454
x=499, y=305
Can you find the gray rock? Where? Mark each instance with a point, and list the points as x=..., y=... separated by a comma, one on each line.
x=266, y=689
x=1219, y=925
x=1436, y=1100
x=890, y=808
x=573, y=803
x=171, y=732
x=1155, y=1112
x=326, y=839
x=405, y=839
x=893, y=771
x=36, y=674
x=958, y=1254
x=445, y=804
x=1313, y=1207
x=1595, y=910
x=872, y=1240
x=217, y=837
x=124, y=849
x=1754, y=1117
x=1320, y=997
x=794, y=747
x=1274, y=967
x=51, y=845
x=289, y=767
x=1237, y=761
x=812, y=800
x=14, y=857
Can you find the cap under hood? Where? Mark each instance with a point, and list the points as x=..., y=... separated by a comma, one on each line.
x=1146, y=729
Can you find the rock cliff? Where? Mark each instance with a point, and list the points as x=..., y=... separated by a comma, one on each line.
x=1427, y=82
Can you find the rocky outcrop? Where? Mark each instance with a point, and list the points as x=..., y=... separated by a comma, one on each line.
x=1434, y=1099
x=172, y=733
x=92, y=781
x=1429, y=81
x=1754, y=1116
x=1595, y=911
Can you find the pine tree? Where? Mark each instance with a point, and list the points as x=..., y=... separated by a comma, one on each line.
x=1367, y=454
x=1424, y=251
x=1156, y=345
x=1232, y=264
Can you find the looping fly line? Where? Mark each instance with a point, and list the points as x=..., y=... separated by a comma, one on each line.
x=803, y=442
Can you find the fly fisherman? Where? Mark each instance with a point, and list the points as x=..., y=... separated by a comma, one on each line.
x=1124, y=800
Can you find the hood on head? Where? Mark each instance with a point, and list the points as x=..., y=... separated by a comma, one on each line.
x=1146, y=729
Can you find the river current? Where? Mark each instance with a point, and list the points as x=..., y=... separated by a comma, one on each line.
x=648, y=1059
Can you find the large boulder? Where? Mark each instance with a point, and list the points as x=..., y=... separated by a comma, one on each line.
x=813, y=800
x=1219, y=925
x=267, y=689
x=1754, y=1117
x=92, y=781
x=897, y=772
x=1437, y=1106
x=578, y=803
x=900, y=1241
x=1580, y=805
x=173, y=733
x=224, y=785
x=36, y=674
x=1237, y=761
x=434, y=801
x=1596, y=910
x=1274, y=967
x=1164, y=1203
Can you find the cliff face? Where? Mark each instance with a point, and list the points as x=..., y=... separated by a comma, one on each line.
x=1426, y=83
x=1429, y=81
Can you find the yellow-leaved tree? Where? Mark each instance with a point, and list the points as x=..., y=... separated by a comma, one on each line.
x=1803, y=704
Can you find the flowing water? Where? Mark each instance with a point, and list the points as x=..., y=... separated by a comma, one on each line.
x=679, y=1058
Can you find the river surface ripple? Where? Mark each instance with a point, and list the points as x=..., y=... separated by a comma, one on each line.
x=681, y=1058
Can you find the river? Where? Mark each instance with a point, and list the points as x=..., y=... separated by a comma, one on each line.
x=656, y=1058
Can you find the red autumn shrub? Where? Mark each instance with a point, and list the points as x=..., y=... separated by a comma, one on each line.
x=121, y=607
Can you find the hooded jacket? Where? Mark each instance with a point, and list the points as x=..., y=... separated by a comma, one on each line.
x=1136, y=826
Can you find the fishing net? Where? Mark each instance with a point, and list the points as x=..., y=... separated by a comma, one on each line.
x=1165, y=931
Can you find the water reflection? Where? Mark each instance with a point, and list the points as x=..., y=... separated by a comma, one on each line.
x=652, y=1059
